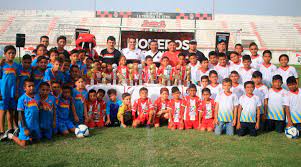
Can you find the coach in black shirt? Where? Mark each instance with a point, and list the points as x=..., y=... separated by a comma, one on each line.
x=192, y=49
x=110, y=55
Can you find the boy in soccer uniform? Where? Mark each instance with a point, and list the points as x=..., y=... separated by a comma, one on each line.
x=222, y=68
x=248, y=111
x=176, y=110
x=180, y=69
x=194, y=65
x=263, y=93
x=275, y=113
x=236, y=88
x=206, y=116
x=66, y=71
x=213, y=59
x=286, y=71
x=267, y=68
x=94, y=112
x=203, y=84
x=9, y=90
x=256, y=59
x=203, y=70
x=147, y=73
x=24, y=73
x=161, y=106
x=125, y=111
x=47, y=113
x=79, y=94
x=143, y=109
x=225, y=110
x=112, y=107
x=214, y=86
x=39, y=72
x=292, y=104
x=75, y=61
x=235, y=62
x=64, y=108
x=246, y=71
x=28, y=116
x=163, y=70
x=53, y=54
x=54, y=73
x=191, y=113
x=56, y=92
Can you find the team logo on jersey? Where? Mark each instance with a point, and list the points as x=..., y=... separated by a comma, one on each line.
x=9, y=71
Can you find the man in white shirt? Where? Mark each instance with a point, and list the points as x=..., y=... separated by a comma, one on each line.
x=154, y=52
x=132, y=53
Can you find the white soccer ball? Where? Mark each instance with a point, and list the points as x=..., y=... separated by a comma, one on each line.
x=81, y=131
x=291, y=132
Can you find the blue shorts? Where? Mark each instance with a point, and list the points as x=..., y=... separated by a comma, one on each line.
x=64, y=125
x=46, y=133
x=8, y=103
x=34, y=133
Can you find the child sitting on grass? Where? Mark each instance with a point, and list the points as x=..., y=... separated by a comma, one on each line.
x=124, y=113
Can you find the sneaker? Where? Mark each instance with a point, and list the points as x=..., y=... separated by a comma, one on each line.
x=10, y=135
x=4, y=137
x=16, y=132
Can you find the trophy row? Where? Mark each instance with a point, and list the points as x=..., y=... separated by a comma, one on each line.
x=181, y=75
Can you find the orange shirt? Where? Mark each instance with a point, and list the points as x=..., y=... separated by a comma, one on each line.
x=173, y=57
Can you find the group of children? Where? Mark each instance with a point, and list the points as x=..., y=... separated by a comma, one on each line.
x=46, y=94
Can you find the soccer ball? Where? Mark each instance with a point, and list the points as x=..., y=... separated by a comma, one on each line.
x=291, y=132
x=81, y=131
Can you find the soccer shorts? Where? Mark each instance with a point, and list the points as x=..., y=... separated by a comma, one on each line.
x=64, y=125
x=191, y=124
x=142, y=118
x=34, y=134
x=207, y=123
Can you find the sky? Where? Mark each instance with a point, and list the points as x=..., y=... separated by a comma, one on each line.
x=254, y=7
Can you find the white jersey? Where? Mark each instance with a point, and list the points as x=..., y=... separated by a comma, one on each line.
x=290, y=71
x=235, y=66
x=199, y=73
x=267, y=73
x=249, y=108
x=256, y=61
x=132, y=54
x=263, y=93
x=215, y=90
x=238, y=90
x=293, y=101
x=194, y=69
x=223, y=72
x=275, y=104
x=155, y=55
x=226, y=105
x=245, y=75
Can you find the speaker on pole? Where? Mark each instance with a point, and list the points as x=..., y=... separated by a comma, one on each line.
x=20, y=40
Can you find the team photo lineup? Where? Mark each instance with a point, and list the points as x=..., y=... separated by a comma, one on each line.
x=45, y=94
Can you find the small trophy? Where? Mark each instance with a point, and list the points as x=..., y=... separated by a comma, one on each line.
x=168, y=71
x=131, y=76
x=104, y=78
x=114, y=75
x=140, y=67
x=152, y=76
x=188, y=75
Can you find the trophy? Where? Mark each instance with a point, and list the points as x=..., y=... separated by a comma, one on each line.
x=90, y=75
x=152, y=74
x=168, y=71
x=131, y=71
x=140, y=67
x=188, y=75
x=114, y=74
x=104, y=78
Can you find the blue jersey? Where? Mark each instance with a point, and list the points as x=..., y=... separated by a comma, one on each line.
x=34, y=63
x=50, y=76
x=38, y=76
x=23, y=74
x=63, y=109
x=112, y=107
x=67, y=78
x=31, y=111
x=49, y=65
x=82, y=67
x=79, y=99
x=9, y=75
x=46, y=116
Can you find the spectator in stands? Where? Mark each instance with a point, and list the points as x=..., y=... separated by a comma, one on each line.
x=44, y=40
x=110, y=55
x=172, y=53
x=154, y=52
x=131, y=52
x=61, y=43
x=193, y=49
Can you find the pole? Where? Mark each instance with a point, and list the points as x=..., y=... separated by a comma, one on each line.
x=119, y=37
x=19, y=55
x=213, y=9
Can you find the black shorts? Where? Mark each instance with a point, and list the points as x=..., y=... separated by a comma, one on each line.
x=274, y=125
x=247, y=128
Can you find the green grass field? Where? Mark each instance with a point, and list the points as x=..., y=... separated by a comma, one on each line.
x=156, y=147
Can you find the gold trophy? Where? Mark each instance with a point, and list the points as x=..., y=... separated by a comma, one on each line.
x=152, y=70
x=104, y=77
x=131, y=71
x=188, y=74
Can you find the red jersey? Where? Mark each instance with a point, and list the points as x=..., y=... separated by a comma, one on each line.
x=141, y=106
x=192, y=108
x=146, y=74
x=96, y=110
x=124, y=71
x=177, y=110
x=162, y=71
x=161, y=104
x=208, y=109
x=181, y=71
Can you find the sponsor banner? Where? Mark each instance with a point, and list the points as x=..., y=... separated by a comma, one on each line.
x=143, y=38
